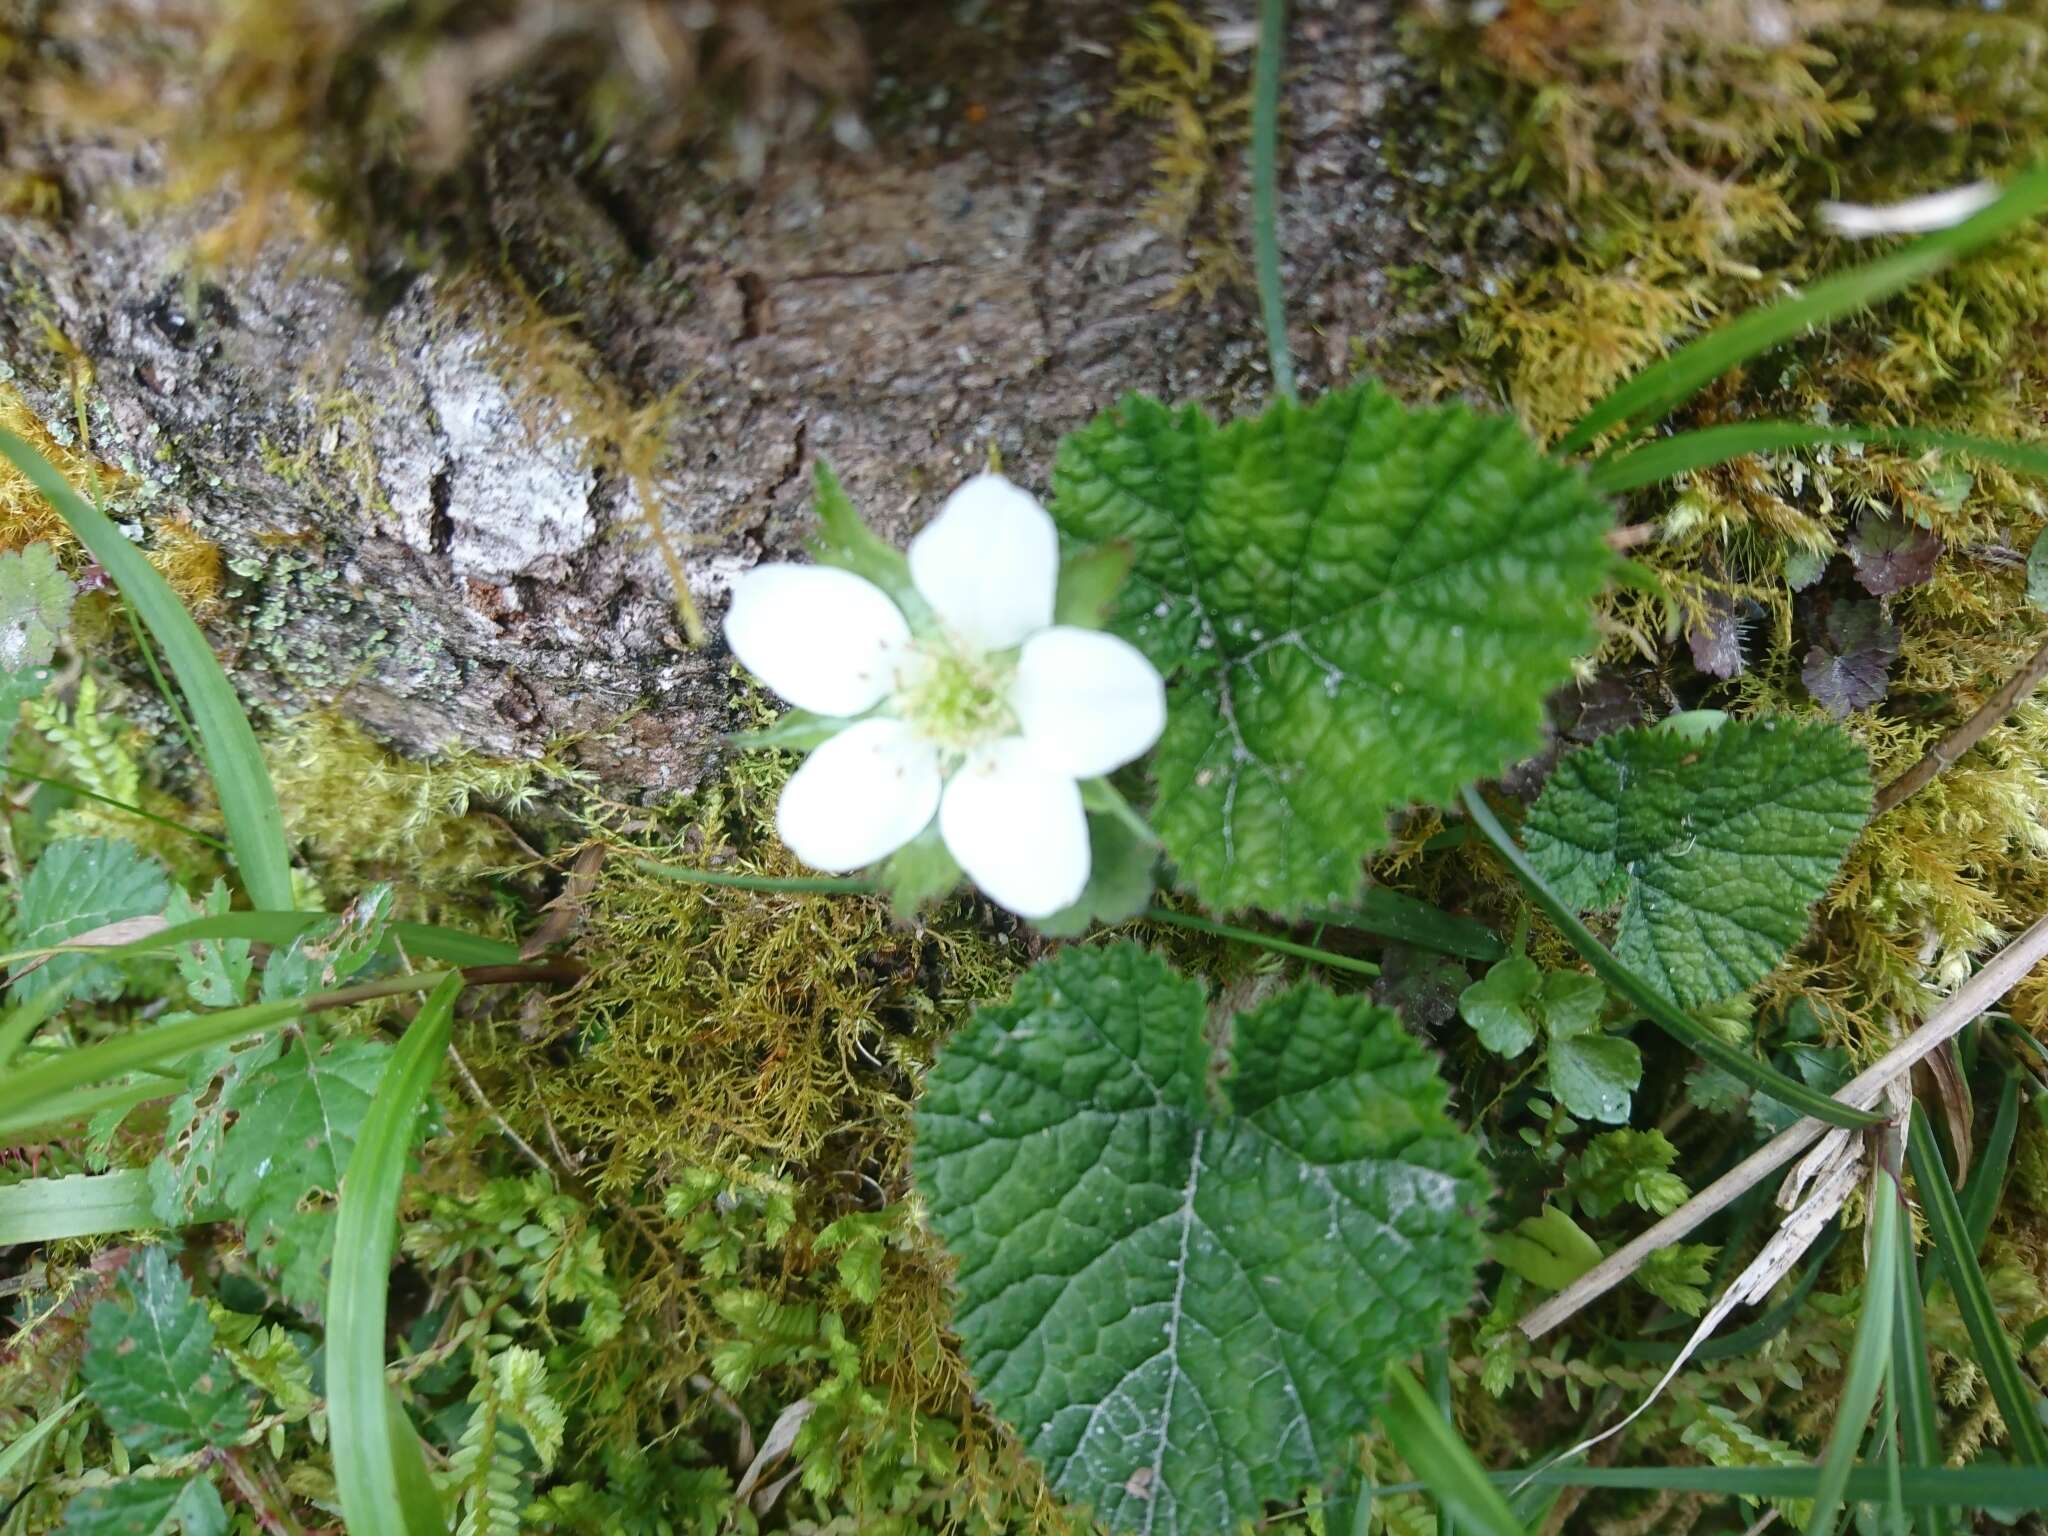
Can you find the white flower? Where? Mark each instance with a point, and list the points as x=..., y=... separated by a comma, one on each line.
x=988, y=715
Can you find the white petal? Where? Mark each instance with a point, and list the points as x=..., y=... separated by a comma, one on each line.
x=1017, y=828
x=1089, y=702
x=823, y=638
x=861, y=796
x=988, y=563
x=1915, y=216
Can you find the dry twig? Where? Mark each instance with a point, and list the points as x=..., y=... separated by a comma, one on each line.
x=1999, y=975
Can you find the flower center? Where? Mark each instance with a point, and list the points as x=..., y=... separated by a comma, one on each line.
x=957, y=699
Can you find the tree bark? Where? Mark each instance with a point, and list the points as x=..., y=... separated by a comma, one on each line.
x=411, y=545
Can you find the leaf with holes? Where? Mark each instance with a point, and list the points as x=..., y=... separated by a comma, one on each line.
x=82, y=883
x=1358, y=606
x=1184, y=1296
x=280, y=1164
x=1715, y=849
x=151, y=1368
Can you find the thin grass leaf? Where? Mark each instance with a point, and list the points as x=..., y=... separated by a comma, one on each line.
x=65, y=1112
x=1658, y=1009
x=16, y=1456
x=1869, y=1359
x=1391, y=915
x=81, y=1205
x=25, y=1018
x=424, y=941
x=1265, y=155
x=69, y=787
x=1986, y=1182
x=247, y=800
x=1913, y=1385
x=1661, y=388
x=2018, y=1400
x=31, y=1089
x=1984, y=1485
x=378, y=1468
x=1688, y=451
x=1436, y=1367
x=1444, y=1462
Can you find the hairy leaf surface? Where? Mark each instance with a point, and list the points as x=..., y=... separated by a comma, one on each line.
x=151, y=1368
x=1184, y=1297
x=1715, y=849
x=82, y=883
x=1357, y=605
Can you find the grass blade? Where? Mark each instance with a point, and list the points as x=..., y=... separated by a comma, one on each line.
x=1265, y=193
x=1709, y=446
x=1986, y=1182
x=1445, y=1463
x=2018, y=1400
x=1391, y=915
x=425, y=941
x=1661, y=388
x=1913, y=1386
x=1869, y=1359
x=247, y=800
x=52, y=1117
x=1655, y=1006
x=82, y=1205
x=378, y=1469
x=15, y=1457
x=24, y=1019
x=31, y=1089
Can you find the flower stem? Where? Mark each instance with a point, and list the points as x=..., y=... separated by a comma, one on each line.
x=796, y=885
x=1265, y=216
x=1279, y=946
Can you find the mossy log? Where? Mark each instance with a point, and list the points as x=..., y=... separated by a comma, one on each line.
x=422, y=468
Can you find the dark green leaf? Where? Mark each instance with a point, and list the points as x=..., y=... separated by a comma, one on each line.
x=140, y=1506
x=1120, y=880
x=151, y=1368
x=1359, y=606
x=1715, y=850
x=1182, y=1304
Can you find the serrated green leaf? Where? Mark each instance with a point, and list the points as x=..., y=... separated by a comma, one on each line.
x=1358, y=605
x=35, y=607
x=1715, y=850
x=82, y=883
x=147, y=1506
x=295, y=1123
x=1184, y=1306
x=151, y=1368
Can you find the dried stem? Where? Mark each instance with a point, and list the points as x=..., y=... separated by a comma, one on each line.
x=1998, y=976
x=1943, y=754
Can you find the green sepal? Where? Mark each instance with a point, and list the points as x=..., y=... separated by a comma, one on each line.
x=1120, y=880
x=845, y=541
x=798, y=730
x=918, y=873
x=1089, y=582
